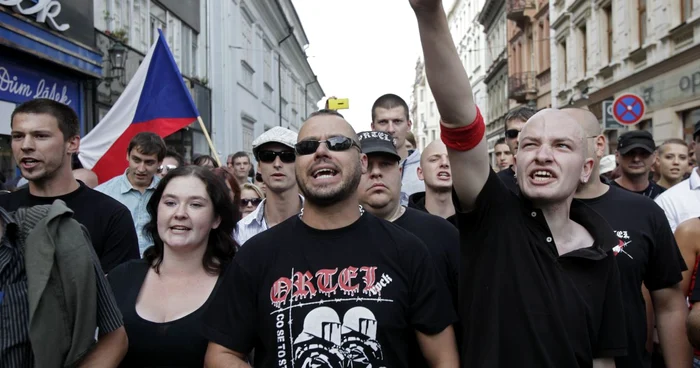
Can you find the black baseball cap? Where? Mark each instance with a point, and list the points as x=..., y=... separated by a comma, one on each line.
x=377, y=142
x=696, y=131
x=636, y=139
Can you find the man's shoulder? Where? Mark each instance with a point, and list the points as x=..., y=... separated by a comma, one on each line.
x=422, y=218
x=100, y=203
x=110, y=184
x=675, y=192
x=12, y=201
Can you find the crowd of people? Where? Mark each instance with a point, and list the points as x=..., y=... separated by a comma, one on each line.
x=357, y=249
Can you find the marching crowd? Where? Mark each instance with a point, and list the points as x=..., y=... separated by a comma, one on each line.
x=355, y=249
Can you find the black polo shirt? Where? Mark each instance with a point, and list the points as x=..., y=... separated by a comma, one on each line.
x=523, y=304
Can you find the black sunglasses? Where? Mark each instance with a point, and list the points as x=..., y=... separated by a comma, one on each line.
x=512, y=133
x=269, y=156
x=162, y=168
x=253, y=201
x=337, y=144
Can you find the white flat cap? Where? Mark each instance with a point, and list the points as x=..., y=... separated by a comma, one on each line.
x=275, y=135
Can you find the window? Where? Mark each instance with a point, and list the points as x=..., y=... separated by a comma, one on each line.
x=267, y=94
x=267, y=63
x=584, y=52
x=562, y=63
x=432, y=109
x=174, y=35
x=609, y=33
x=247, y=32
x=421, y=95
x=140, y=26
x=422, y=118
x=432, y=135
x=283, y=81
x=686, y=9
x=284, y=109
x=642, y=10
x=186, y=50
x=158, y=18
x=247, y=135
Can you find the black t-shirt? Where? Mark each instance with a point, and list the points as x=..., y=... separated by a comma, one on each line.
x=177, y=343
x=417, y=201
x=508, y=178
x=442, y=239
x=652, y=190
x=523, y=303
x=334, y=298
x=109, y=222
x=647, y=253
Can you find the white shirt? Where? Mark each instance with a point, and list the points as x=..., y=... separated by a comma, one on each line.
x=253, y=224
x=681, y=202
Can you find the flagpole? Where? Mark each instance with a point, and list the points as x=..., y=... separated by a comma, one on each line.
x=211, y=144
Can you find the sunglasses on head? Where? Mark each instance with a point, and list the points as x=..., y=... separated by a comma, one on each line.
x=512, y=133
x=162, y=168
x=336, y=144
x=253, y=201
x=269, y=156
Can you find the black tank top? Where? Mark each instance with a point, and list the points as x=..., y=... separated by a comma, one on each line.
x=177, y=343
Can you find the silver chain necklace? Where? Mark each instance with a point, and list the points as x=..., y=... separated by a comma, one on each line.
x=301, y=213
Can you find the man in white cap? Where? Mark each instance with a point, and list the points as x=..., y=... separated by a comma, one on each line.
x=274, y=151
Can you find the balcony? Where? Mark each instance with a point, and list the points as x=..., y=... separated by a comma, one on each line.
x=522, y=87
x=520, y=10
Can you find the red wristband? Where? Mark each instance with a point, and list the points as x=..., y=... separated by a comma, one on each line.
x=464, y=138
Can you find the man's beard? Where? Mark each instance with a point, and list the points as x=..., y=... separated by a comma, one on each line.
x=330, y=197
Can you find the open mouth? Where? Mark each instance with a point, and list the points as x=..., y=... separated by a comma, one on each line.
x=29, y=161
x=444, y=175
x=324, y=173
x=179, y=229
x=541, y=175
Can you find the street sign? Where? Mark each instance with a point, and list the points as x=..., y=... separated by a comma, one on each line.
x=609, y=122
x=628, y=109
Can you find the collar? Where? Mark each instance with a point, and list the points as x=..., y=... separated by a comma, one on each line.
x=604, y=238
x=258, y=215
x=11, y=225
x=125, y=185
x=695, y=179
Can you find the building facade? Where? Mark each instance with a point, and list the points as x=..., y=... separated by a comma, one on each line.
x=470, y=42
x=529, y=73
x=53, y=56
x=260, y=73
x=605, y=48
x=493, y=18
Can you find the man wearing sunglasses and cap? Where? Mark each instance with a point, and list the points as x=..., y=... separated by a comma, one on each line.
x=334, y=286
x=636, y=153
x=274, y=151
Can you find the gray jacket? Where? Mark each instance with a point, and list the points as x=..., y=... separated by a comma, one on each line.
x=409, y=178
x=61, y=285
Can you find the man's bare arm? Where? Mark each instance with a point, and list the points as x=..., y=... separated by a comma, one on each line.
x=220, y=357
x=604, y=363
x=671, y=313
x=439, y=350
x=450, y=86
x=109, y=351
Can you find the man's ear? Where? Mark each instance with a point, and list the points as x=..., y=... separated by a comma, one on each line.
x=419, y=171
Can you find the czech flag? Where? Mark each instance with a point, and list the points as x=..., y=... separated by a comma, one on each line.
x=155, y=100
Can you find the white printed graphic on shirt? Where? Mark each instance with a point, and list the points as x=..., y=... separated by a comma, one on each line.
x=620, y=247
x=325, y=341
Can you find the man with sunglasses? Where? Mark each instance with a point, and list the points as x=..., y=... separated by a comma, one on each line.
x=274, y=151
x=515, y=120
x=334, y=286
x=172, y=161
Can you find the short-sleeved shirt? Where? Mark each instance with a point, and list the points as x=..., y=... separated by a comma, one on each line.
x=121, y=189
x=647, y=254
x=522, y=302
x=15, y=346
x=682, y=201
x=177, y=343
x=109, y=222
x=346, y=297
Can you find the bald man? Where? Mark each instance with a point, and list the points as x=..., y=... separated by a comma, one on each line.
x=647, y=255
x=86, y=176
x=333, y=275
x=435, y=171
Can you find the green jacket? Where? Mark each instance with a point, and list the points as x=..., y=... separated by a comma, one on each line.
x=61, y=284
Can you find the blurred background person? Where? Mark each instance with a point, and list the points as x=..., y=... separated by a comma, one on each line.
x=504, y=157
x=259, y=183
x=607, y=166
x=172, y=161
x=240, y=166
x=251, y=196
x=410, y=141
x=88, y=177
x=162, y=297
x=672, y=160
x=205, y=161
x=234, y=189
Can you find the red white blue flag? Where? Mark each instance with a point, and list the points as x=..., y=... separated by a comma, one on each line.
x=155, y=100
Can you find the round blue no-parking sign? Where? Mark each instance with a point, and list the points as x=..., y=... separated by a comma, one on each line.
x=628, y=109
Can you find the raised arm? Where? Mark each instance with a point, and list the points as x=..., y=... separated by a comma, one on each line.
x=453, y=95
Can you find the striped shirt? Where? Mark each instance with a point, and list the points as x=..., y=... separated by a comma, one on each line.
x=15, y=347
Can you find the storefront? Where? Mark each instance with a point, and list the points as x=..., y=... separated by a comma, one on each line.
x=47, y=50
x=671, y=92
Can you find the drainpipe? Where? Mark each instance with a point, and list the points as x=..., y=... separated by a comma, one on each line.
x=279, y=69
x=306, y=98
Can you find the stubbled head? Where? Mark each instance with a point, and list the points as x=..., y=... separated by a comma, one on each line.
x=435, y=168
x=329, y=163
x=552, y=159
